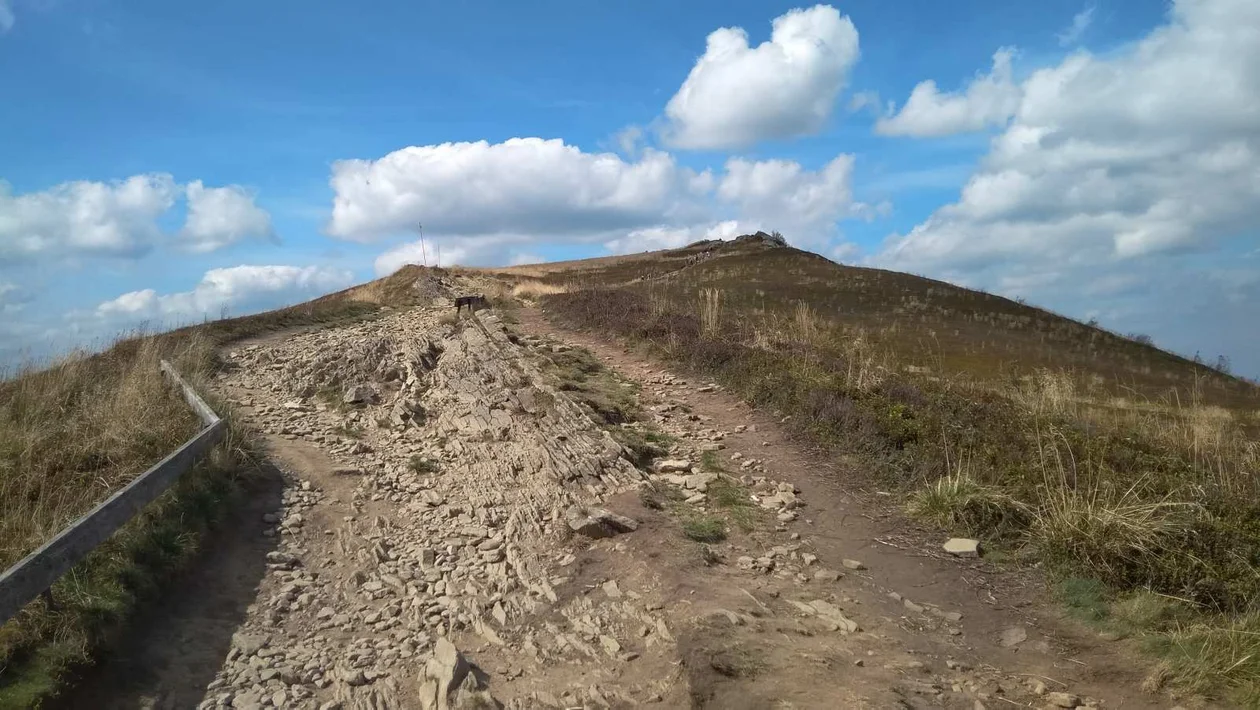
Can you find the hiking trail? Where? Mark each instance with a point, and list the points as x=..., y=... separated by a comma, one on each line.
x=454, y=530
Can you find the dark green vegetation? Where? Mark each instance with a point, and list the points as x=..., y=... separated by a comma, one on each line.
x=420, y=464
x=1104, y=457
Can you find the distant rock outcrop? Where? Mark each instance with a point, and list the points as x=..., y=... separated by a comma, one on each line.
x=774, y=239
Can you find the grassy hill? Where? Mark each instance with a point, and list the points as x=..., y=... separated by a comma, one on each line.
x=1128, y=471
x=923, y=322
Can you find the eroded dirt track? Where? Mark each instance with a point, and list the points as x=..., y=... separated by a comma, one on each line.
x=455, y=531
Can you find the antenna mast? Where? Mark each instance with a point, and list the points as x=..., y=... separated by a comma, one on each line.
x=423, y=253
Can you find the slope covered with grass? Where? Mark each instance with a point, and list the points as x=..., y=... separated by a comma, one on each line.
x=1106, y=459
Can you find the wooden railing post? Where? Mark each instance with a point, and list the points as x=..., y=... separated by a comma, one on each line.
x=36, y=573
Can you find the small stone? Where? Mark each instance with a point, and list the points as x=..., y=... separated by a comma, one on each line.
x=359, y=394
x=827, y=575
x=598, y=523
x=673, y=466
x=962, y=547
x=1063, y=700
x=611, y=647
x=612, y=590
x=853, y=565
x=916, y=608
x=1014, y=636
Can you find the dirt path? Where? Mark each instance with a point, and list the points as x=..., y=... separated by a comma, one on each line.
x=909, y=592
x=176, y=647
x=455, y=530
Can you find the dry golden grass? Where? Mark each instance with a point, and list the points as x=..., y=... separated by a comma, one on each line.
x=76, y=432
x=71, y=435
x=710, y=311
x=534, y=289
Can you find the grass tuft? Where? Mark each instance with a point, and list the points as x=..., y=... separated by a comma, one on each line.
x=422, y=464
x=704, y=528
x=958, y=503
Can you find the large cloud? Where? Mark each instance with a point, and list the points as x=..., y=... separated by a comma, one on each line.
x=1127, y=164
x=737, y=95
x=479, y=200
x=236, y=289
x=768, y=195
x=220, y=216
x=989, y=100
x=782, y=195
x=120, y=218
x=85, y=218
x=528, y=185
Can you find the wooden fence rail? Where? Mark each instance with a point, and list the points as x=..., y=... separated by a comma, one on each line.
x=37, y=572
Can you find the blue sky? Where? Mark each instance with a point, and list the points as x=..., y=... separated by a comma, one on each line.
x=163, y=162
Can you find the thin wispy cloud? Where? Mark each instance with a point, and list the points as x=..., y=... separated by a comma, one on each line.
x=1080, y=23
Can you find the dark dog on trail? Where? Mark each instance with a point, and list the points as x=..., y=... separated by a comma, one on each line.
x=473, y=303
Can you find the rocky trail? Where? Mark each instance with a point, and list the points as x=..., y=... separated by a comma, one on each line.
x=453, y=530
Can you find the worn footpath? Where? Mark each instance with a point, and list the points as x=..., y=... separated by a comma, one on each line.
x=456, y=531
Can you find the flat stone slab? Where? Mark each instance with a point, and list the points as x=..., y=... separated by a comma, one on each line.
x=962, y=547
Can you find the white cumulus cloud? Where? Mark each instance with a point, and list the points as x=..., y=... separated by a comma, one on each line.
x=85, y=218
x=782, y=195
x=737, y=95
x=221, y=216
x=236, y=289
x=526, y=185
x=120, y=219
x=989, y=100
x=481, y=202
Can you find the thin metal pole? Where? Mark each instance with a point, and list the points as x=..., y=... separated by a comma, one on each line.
x=423, y=253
